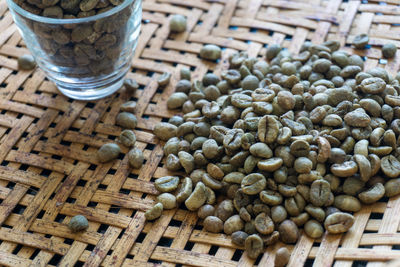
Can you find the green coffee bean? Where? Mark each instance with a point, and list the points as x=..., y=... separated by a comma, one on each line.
x=389, y=50
x=78, y=223
x=338, y=222
x=135, y=158
x=108, y=152
x=26, y=62
x=154, y=212
x=177, y=23
x=166, y=183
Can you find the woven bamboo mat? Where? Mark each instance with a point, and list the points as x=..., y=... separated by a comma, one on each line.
x=49, y=173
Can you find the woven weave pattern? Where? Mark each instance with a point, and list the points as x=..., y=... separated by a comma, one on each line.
x=49, y=171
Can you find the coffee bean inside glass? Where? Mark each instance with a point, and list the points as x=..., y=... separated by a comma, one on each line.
x=84, y=47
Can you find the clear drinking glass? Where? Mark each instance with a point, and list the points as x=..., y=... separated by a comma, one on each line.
x=87, y=58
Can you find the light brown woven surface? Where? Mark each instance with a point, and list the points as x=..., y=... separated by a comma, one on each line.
x=49, y=172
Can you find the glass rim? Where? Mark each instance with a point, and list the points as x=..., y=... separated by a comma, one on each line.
x=13, y=6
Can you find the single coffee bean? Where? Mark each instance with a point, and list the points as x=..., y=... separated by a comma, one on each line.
x=347, y=203
x=126, y=120
x=205, y=211
x=319, y=192
x=210, y=52
x=338, y=222
x=177, y=23
x=392, y=187
x=313, y=229
x=176, y=100
x=360, y=41
x=131, y=86
x=127, y=138
x=168, y=200
x=373, y=194
x=155, y=212
x=389, y=50
x=253, y=184
x=129, y=107
x=108, y=152
x=184, y=190
x=26, y=62
x=288, y=232
x=166, y=183
x=264, y=224
x=239, y=238
x=233, y=224
x=78, y=223
x=213, y=224
x=254, y=246
x=165, y=131
x=197, y=198
x=164, y=79
x=135, y=158
x=282, y=257
x=225, y=210
x=390, y=166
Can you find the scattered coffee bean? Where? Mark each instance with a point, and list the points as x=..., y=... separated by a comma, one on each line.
x=389, y=50
x=338, y=222
x=360, y=41
x=127, y=138
x=282, y=257
x=254, y=246
x=210, y=52
x=108, y=152
x=126, y=120
x=163, y=80
x=135, y=158
x=26, y=62
x=155, y=212
x=78, y=223
x=177, y=23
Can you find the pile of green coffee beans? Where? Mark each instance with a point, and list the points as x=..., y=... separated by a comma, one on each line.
x=126, y=119
x=300, y=141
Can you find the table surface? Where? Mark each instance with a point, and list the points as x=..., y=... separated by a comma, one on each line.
x=49, y=171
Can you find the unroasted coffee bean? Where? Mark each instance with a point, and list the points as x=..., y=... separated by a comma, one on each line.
x=165, y=131
x=210, y=52
x=239, y=238
x=390, y=166
x=254, y=246
x=319, y=192
x=253, y=184
x=131, y=86
x=282, y=257
x=225, y=210
x=264, y=224
x=288, y=232
x=126, y=120
x=303, y=165
x=108, y=152
x=197, y=198
x=168, y=200
x=154, y=212
x=184, y=190
x=177, y=23
x=26, y=62
x=127, y=138
x=166, y=183
x=164, y=79
x=213, y=224
x=392, y=187
x=135, y=158
x=205, y=211
x=78, y=223
x=360, y=41
x=389, y=50
x=313, y=229
x=233, y=224
x=347, y=203
x=176, y=100
x=373, y=194
x=338, y=222
x=129, y=106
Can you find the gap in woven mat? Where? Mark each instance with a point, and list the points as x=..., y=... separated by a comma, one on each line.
x=7, y=131
x=237, y=255
x=71, y=200
x=189, y=245
x=375, y=215
x=164, y=242
x=150, y=146
x=133, y=175
x=60, y=218
x=32, y=191
x=79, y=264
x=111, y=171
x=90, y=247
x=45, y=172
x=92, y=204
x=140, y=237
x=92, y=167
x=175, y=223
x=85, y=147
x=309, y=263
x=102, y=186
x=81, y=183
x=359, y=263
x=17, y=249
x=23, y=167
x=124, y=191
x=10, y=185
x=143, y=196
x=4, y=163
x=396, y=247
x=114, y=210
x=155, y=261
x=102, y=229
x=213, y=250
x=68, y=241
x=34, y=254
x=57, y=157
x=41, y=214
